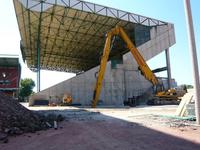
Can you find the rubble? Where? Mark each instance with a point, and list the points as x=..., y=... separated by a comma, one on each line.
x=16, y=119
x=3, y=138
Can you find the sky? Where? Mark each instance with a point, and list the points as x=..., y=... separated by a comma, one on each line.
x=166, y=10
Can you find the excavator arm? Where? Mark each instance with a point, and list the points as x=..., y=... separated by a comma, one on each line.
x=144, y=68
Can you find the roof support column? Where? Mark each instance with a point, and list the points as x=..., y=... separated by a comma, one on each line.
x=38, y=69
x=39, y=49
x=168, y=68
x=192, y=47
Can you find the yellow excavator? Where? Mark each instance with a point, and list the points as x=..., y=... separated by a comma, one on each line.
x=143, y=67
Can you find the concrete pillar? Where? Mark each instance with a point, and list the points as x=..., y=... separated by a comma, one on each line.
x=38, y=79
x=192, y=47
x=168, y=68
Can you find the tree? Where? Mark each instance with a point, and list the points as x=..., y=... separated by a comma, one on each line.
x=189, y=86
x=26, y=88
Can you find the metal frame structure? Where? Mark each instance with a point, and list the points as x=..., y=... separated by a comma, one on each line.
x=68, y=35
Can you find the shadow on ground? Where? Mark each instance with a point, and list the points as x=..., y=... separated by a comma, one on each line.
x=89, y=130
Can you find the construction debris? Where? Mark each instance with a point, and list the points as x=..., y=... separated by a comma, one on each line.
x=3, y=138
x=16, y=119
x=55, y=125
x=186, y=99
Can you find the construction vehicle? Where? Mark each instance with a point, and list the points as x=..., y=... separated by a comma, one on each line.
x=143, y=67
x=67, y=99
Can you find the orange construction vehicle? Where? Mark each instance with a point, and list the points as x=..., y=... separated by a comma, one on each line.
x=143, y=67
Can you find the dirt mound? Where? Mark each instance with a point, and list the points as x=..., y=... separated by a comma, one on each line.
x=16, y=119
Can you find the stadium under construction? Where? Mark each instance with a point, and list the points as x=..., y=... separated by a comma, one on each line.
x=69, y=36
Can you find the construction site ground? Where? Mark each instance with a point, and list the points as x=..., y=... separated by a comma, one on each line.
x=126, y=128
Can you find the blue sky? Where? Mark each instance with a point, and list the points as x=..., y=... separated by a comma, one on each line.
x=166, y=10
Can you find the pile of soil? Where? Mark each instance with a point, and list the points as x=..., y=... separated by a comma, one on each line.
x=15, y=119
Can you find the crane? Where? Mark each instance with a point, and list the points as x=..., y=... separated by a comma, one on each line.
x=143, y=67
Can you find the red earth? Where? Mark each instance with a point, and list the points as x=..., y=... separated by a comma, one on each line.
x=107, y=135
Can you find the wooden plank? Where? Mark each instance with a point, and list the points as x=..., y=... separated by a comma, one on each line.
x=186, y=99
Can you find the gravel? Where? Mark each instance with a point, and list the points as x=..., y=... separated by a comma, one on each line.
x=15, y=119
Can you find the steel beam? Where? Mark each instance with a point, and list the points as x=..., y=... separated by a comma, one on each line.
x=159, y=70
x=39, y=49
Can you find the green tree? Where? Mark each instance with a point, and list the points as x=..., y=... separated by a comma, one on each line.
x=189, y=86
x=26, y=88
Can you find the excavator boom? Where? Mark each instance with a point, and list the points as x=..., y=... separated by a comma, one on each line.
x=144, y=68
x=146, y=71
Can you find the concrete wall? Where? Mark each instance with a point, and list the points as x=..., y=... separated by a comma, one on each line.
x=120, y=83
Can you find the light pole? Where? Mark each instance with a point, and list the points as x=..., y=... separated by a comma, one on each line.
x=192, y=46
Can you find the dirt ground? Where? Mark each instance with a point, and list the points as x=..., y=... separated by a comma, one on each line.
x=141, y=128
